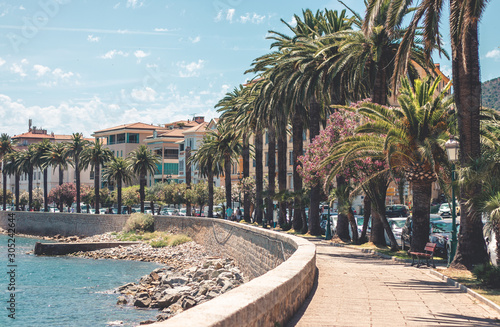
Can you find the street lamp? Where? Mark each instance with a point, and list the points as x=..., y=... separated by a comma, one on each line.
x=452, y=147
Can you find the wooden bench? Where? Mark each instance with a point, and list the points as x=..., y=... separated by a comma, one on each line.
x=428, y=254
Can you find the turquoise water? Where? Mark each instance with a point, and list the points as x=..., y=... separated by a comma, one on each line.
x=67, y=291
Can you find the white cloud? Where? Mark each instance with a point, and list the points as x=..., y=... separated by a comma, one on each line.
x=196, y=39
x=59, y=73
x=158, y=29
x=41, y=70
x=134, y=4
x=252, y=18
x=2, y=62
x=495, y=54
x=92, y=38
x=116, y=6
x=146, y=94
x=21, y=7
x=112, y=53
x=17, y=69
x=292, y=22
x=190, y=69
x=230, y=14
x=139, y=54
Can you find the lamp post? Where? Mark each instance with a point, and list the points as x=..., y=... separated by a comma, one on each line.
x=240, y=177
x=452, y=146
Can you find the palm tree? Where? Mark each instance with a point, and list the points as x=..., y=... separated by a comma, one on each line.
x=143, y=161
x=74, y=149
x=24, y=162
x=58, y=158
x=95, y=156
x=464, y=20
x=414, y=135
x=119, y=170
x=11, y=168
x=209, y=163
x=6, y=147
x=42, y=149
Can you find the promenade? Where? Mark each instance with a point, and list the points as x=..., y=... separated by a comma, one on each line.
x=358, y=289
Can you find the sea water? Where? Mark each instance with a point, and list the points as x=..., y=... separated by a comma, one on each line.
x=66, y=291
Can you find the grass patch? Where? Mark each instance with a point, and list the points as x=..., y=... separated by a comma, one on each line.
x=139, y=222
x=155, y=239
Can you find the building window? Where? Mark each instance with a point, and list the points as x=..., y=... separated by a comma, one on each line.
x=171, y=168
x=267, y=159
x=290, y=162
x=304, y=136
x=181, y=166
x=120, y=138
x=254, y=163
x=121, y=153
x=267, y=137
x=92, y=174
x=171, y=154
x=112, y=139
x=158, y=152
x=181, y=147
x=133, y=138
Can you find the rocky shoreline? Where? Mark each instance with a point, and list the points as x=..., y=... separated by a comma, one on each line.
x=190, y=276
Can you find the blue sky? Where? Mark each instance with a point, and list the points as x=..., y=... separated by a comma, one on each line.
x=81, y=66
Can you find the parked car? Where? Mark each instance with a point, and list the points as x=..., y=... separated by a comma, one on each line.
x=396, y=210
x=397, y=225
x=407, y=230
x=440, y=233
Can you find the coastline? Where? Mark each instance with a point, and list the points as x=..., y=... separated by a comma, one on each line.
x=190, y=274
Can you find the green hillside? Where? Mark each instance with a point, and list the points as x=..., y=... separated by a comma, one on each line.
x=491, y=93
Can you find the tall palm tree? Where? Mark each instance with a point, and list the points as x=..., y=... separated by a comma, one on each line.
x=6, y=147
x=96, y=155
x=40, y=160
x=119, y=170
x=74, y=149
x=414, y=136
x=11, y=168
x=58, y=158
x=24, y=162
x=464, y=22
x=143, y=161
x=210, y=164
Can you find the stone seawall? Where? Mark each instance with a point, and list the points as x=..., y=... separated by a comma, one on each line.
x=281, y=267
x=64, y=224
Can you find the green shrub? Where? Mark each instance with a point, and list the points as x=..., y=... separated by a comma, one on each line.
x=487, y=275
x=158, y=243
x=139, y=222
x=175, y=240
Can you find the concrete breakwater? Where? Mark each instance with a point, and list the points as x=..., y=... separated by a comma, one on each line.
x=281, y=267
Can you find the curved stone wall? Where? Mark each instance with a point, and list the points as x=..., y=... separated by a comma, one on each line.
x=281, y=267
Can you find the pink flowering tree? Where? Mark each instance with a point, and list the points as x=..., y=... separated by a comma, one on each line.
x=327, y=159
x=63, y=195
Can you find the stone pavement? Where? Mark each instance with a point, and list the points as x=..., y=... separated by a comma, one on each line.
x=358, y=289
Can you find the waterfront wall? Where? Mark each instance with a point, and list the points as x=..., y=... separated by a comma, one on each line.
x=281, y=268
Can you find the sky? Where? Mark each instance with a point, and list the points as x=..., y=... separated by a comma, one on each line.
x=85, y=65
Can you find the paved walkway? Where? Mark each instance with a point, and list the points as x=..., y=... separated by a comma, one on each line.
x=357, y=289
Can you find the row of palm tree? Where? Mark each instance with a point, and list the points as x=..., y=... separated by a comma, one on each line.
x=80, y=154
x=331, y=58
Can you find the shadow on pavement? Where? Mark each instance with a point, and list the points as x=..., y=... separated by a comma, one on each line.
x=446, y=319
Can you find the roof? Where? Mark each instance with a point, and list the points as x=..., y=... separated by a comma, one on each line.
x=200, y=128
x=135, y=126
x=183, y=123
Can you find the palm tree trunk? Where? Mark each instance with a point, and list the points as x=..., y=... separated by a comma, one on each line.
x=77, y=175
x=422, y=191
x=259, y=176
x=246, y=173
x=377, y=190
x=119, y=194
x=4, y=189
x=61, y=176
x=227, y=180
x=16, y=189
x=45, y=192
x=282, y=172
x=271, y=173
x=96, y=188
x=298, y=149
x=342, y=220
x=380, y=87
x=314, y=117
x=210, y=178
x=467, y=88
x=142, y=184
x=188, y=178
x=367, y=204
x=30, y=188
